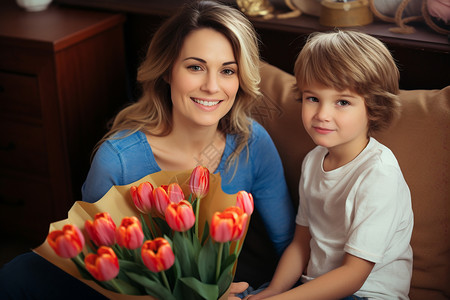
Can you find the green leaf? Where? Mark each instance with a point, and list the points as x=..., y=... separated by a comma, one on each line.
x=163, y=227
x=184, y=252
x=225, y=279
x=145, y=229
x=207, y=262
x=153, y=288
x=205, y=233
x=206, y=291
x=127, y=288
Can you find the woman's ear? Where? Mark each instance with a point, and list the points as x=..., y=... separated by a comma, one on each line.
x=166, y=77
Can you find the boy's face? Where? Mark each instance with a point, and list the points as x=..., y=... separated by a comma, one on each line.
x=335, y=119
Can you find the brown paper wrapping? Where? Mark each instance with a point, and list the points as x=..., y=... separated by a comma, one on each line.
x=118, y=203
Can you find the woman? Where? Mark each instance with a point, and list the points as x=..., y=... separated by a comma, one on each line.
x=199, y=80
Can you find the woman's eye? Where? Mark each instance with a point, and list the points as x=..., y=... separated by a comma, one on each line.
x=195, y=68
x=343, y=103
x=228, y=72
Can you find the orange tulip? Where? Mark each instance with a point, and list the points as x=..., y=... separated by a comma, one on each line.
x=102, y=231
x=157, y=255
x=104, y=265
x=68, y=242
x=228, y=225
x=245, y=202
x=161, y=199
x=175, y=193
x=129, y=234
x=199, y=182
x=180, y=216
x=142, y=196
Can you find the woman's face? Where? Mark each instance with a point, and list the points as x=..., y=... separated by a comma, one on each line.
x=204, y=79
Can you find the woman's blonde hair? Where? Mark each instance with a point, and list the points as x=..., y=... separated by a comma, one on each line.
x=152, y=113
x=355, y=61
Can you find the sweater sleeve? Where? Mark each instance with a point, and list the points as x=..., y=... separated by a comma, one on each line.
x=106, y=170
x=270, y=192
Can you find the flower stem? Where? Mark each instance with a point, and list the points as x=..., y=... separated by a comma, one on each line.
x=197, y=209
x=219, y=261
x=166, y=282
x=77, y=260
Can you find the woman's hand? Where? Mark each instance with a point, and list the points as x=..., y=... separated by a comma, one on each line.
x=236, y=288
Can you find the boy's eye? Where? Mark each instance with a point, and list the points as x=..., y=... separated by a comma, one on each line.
x=343, y=103
x=312, y=99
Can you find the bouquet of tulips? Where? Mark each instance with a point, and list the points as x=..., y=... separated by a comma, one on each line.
x=162, y=251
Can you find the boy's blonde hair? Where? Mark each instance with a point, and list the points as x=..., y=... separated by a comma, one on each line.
x=355, y=61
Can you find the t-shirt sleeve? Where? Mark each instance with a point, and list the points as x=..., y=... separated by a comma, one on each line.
x=381, y=203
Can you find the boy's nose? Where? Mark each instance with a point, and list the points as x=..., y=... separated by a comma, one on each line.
x=323, y=113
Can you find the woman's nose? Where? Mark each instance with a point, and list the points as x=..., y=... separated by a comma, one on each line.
x=211, y=83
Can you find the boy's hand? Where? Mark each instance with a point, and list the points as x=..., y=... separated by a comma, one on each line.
x=236, y=288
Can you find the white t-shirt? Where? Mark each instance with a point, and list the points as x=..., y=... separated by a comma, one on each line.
x=362, y=208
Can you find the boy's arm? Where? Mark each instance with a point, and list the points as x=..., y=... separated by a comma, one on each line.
x=291, y=265
x=338, y=283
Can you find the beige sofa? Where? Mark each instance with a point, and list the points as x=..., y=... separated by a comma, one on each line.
x=420, y=140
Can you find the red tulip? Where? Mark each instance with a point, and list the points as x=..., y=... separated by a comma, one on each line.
x=157, y=255
x=175, y=193
x=102, y=231
x=104, y=265
x=142, y=196
x=180, y=216
x=68, y=242
x=199, y=182
x=245, y=202
x=228, y=225
x=161, y=199
x=129, y=234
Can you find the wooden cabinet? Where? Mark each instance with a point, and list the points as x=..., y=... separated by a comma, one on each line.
x=62, y=77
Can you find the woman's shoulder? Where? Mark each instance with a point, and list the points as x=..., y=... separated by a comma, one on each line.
x=258, y=132
x=125, y=140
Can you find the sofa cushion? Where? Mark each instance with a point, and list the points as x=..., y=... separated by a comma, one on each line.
x=420, y=140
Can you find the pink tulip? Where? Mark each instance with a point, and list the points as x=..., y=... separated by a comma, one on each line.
x=102, y=231
x=175, y=193
x=199, y=182
x=161, y=199
x=129, y=234
x=68, y=242
x=157, y=255
x=180, y=216
x=228, y=225
x=245, y=202
x=143, y=197
x=104, y=265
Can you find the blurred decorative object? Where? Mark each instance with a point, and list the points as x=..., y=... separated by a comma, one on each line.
x=309, y=7
x=345, y=13
x=434, y=12
x=255, y=8
x=34, y=5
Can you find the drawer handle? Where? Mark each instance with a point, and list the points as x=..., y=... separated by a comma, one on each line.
x=11, y=201
x=8, y=147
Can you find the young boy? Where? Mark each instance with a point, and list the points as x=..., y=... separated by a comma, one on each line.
x=355, y=220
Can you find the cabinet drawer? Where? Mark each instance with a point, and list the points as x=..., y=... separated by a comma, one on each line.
x=22, y=147
x=20, y=213
x=19, y=94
